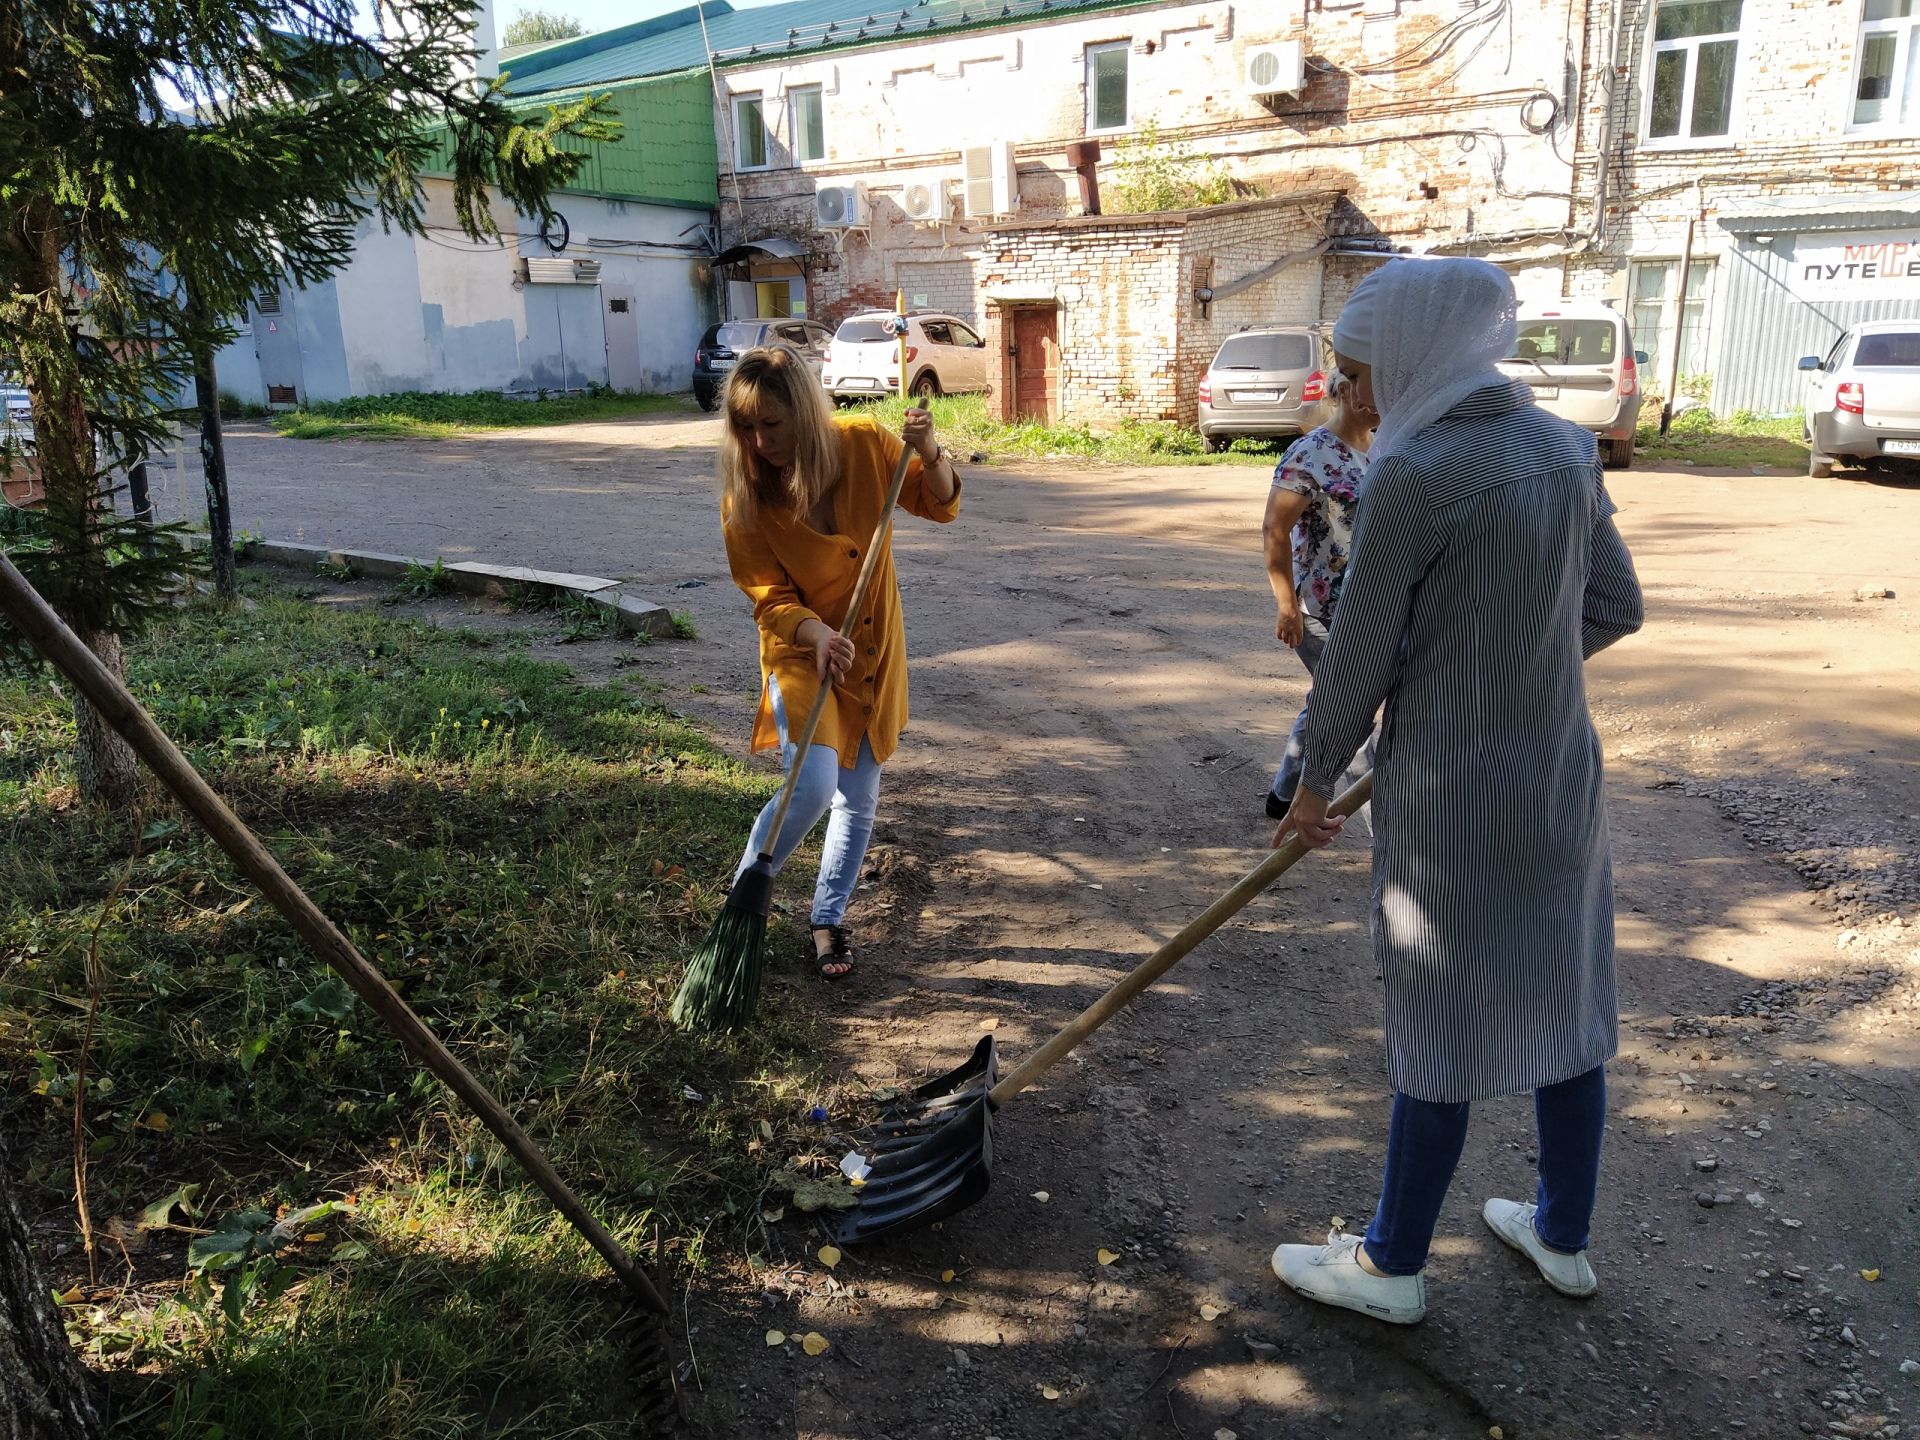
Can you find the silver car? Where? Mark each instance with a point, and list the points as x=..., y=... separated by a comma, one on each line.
x=1863, y=398
x=16, y=414
x=1263, y=384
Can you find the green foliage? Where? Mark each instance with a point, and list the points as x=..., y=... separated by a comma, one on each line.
x=422, y=582
x=232, y=407
x=340, y=570
x=533, y=27
x=583, y=619
x=419, y=415
x=684, y=627
x=1151, y=174
x=1738, y=441
x=530, y=861
x=965, y=427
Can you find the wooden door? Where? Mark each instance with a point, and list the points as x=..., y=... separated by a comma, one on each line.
x=1036, y=363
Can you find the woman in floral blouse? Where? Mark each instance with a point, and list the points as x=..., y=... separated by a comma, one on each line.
x=1308, y=532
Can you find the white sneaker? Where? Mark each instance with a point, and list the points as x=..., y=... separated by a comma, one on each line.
x=1333, y=1275
x=1513, y=1223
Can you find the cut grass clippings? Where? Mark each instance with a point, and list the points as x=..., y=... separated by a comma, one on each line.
x=529, y=860
x=418, y=415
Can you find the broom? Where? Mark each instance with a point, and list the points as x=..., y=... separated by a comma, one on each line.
x=722, y=983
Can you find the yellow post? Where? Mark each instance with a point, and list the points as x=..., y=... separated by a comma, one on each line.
x=900, y=309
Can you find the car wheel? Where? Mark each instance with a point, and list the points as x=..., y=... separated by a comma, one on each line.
x=1620, y=454
x=708, y=396
x=1819, y=467
x=1217, y=443
x=927, y=386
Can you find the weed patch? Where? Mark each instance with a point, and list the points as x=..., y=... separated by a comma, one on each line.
x=965, y=427
x=419, y=415
x=529, y=860
x=1738, y=441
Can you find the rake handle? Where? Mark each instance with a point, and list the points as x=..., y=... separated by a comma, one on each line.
x=1171, y=953
x=36, y=620
x=825, y=692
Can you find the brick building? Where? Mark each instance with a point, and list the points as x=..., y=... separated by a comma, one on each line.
x=1788, y=132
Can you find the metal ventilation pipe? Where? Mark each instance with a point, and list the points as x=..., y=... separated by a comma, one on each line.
x=1084, y=157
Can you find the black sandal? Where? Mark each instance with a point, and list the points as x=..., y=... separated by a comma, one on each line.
x=839, y=952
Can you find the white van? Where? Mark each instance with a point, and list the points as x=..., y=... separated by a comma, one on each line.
x=1579, y=358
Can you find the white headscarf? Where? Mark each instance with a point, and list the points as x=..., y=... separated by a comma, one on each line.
x=1431, y=330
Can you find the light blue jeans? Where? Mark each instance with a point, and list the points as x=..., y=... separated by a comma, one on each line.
x=852, y=796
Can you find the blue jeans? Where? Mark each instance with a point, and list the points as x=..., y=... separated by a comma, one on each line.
x=851, y=795
x=1424, y=1141
x=1313, y=644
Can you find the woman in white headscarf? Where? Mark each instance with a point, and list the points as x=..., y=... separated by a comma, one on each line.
x=1485, y=569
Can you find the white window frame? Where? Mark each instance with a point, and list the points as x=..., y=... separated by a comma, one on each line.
x=1691, y=47
x=1906, y=30
x=819, y=94
x=1107, y=47
x=1672, y=321
x=757, y=99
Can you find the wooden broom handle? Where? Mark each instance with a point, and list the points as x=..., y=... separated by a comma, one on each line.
x=35, y=619
x=1171, y=953
x=872, y=563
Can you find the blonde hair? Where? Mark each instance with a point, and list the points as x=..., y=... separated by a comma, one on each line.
x=763, y=379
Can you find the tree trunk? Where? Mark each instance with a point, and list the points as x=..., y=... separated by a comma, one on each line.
x=45, y=1393
x=213, y=465
x=105, y=766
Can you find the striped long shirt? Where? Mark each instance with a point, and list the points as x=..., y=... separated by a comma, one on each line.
x=1486, y=567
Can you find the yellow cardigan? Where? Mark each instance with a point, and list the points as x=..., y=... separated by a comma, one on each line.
x=793, y=574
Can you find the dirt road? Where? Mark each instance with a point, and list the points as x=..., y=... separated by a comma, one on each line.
x=1096, y=699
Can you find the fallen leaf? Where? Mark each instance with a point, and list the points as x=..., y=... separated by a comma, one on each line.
x=775, y=1215
x=1211, y=1311
x=946, y=1277
x=154, y=1120
x=1105, y=1256
x=1870, y=1276
x=70, y=1297
x=1047, y=1392
x=776, y=1337
x=315, y=1238
x=814, y=1343
x=160, y=1214
x=129, y=1238
x=829, y=1256
x=990, y=1024
x=1494, y=1432
x=766, y=1129
x=350, y=1250
x=1042, y=1196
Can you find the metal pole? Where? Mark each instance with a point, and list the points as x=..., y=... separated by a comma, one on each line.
x=1679, y=329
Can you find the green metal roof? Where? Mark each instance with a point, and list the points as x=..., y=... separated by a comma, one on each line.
x=801, y=27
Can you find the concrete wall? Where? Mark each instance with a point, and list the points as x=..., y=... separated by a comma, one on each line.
x=438, y=313
x=1431, y=149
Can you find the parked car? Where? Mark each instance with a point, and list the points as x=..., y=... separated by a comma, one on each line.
x=725, y=343
x=1863, y=399
x=1263, y=384
x=1579, y=358
x=16, y=414
x=944, y=357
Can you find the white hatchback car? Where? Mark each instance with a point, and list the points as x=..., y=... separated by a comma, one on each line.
x=944, y=357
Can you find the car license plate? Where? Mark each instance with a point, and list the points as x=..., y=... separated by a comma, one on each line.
x=861, y=382
x=721, y=363
x=1256, y=397
x=1900, y=447
x=1546, y=392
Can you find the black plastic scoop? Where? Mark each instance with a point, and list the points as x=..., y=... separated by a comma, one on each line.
x=932, y=1150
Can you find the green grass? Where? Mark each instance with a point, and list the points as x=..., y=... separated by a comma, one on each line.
x=417, y=415
x=530, y=860
x=1738, y=441
x=965, y=427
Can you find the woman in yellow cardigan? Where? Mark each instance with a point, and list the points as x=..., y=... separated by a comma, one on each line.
x=802, y=495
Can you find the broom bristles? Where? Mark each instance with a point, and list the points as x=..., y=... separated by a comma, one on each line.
x=722, y=984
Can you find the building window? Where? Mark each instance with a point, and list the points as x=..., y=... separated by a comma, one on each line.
x=1654, y=290
x=809, y=123
x=1889, y=52
x=1107, y=86
x=749, y=133
x=1695, y=46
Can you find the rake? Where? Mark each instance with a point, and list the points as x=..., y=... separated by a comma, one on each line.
x=931, y=1151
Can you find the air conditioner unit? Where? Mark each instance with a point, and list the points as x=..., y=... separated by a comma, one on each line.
x=923, y=195
x=1276, y=69
x=840, y=207
x=992, y=186
x=558, y=270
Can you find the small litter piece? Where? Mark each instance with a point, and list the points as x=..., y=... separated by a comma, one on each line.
x=1105, y=1256
x=855, y=1166
x=1210, y=1311
x=814, y=1343
x=1042, y=1196
x=946, y=1277
x=1047, y=1392
x=1870, y=1276
x=687, y=1092
x=829, y=1256
x=776, y=1338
